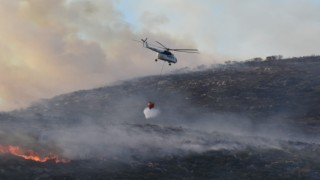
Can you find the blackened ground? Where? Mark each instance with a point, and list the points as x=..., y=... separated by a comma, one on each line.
x=248, y=163
x=259, y=89
x=263, y=97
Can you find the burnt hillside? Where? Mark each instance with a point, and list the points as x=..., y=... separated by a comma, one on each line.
x=287, y=87
x=241, y=120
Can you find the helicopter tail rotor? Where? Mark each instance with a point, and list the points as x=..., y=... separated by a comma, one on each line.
x=144, y=42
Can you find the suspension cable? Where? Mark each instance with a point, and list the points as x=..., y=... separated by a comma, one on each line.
x=162, y=68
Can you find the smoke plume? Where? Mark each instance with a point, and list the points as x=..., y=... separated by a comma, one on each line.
x=66, y=46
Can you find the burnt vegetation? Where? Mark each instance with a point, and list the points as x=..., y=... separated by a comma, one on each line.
x=257, y=88
x=273, y=90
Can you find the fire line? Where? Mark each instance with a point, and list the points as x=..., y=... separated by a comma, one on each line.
x=31, y=155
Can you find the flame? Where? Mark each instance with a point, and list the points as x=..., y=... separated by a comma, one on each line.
x=31, y=155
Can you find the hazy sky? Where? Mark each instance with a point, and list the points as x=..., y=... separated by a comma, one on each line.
x=49, y=47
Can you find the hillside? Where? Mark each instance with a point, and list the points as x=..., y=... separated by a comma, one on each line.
x=243, y=120
x=287, y=87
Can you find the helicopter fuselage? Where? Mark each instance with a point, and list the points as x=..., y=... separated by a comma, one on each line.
x=164, y=55
x=167, y=56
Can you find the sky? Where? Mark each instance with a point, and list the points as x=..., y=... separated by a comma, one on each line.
x=51, y=47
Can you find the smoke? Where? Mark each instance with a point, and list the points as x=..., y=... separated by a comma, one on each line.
x=70, y=45
x=56, y=46
x=108, y=123
x=232, y=27
x=124, y=135
x=123, y=140
x=151, y=113
x=89, y=140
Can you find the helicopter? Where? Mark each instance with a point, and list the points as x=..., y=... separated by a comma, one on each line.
x=164, y=53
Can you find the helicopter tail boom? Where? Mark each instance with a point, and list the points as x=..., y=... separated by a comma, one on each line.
x=146, y=45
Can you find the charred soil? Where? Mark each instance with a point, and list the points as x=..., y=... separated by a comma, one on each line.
x=241, y=120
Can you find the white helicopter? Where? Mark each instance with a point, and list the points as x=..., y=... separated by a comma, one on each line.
x=164, y=53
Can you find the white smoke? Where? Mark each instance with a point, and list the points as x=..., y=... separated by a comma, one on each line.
x=151, y=113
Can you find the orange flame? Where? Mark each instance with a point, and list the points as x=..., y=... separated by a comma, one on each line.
x=31, y=155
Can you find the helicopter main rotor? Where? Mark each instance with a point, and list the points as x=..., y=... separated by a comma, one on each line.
x=178, y=50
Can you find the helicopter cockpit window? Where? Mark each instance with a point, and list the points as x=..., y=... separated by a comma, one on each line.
x=167, y=53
